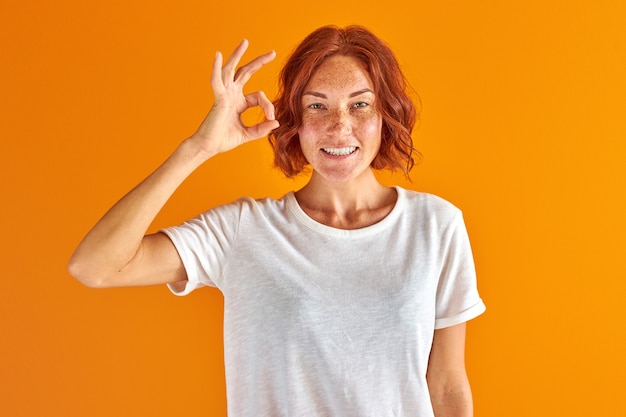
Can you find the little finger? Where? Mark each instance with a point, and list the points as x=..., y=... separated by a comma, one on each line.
x=216, y=75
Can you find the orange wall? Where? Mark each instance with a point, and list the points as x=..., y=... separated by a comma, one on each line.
x=523, y=127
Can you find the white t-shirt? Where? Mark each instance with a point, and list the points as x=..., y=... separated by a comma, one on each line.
x=320, y=321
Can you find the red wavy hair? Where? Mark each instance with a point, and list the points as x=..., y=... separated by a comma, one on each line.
x=398, y=111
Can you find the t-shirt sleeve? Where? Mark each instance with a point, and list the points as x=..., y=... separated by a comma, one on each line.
x=457, y=294
x=204, y=244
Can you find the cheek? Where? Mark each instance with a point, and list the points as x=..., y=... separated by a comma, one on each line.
x=310, y=126
x=370, y=125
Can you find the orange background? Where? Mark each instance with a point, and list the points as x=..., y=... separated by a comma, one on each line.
x=523, y=127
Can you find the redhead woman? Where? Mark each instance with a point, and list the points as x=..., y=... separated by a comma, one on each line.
x=343, y=298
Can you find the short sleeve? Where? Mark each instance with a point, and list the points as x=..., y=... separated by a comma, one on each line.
x=457, y=294
x=204, y=244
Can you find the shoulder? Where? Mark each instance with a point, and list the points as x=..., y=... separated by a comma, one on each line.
x=265, y=205
x=429, y=214
x=248, y=209
x=227, y=219
x=248, y=204
x=428, y=205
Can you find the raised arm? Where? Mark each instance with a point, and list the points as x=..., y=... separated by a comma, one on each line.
x=116, y=251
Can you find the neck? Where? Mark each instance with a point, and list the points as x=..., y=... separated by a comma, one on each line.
x=346, y=205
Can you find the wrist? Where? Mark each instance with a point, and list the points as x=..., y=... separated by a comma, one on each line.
x=192, y=151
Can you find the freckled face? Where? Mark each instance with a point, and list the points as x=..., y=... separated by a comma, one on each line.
x=341, y=126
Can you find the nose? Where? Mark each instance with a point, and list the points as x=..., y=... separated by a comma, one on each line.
x=339, y=122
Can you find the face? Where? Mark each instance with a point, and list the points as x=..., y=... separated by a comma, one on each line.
x=341, y=126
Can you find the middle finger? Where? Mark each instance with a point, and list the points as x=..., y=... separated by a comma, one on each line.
x=244, y=73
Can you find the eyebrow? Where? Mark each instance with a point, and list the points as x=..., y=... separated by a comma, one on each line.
x=321, y=95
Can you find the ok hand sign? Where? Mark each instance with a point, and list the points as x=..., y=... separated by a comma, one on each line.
x=223, y=128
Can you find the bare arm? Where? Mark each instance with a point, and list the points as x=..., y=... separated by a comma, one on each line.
x=116, y=251
x=449, y=387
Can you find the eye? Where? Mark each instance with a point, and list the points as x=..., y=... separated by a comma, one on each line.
x=315, y=106
x=360, y=104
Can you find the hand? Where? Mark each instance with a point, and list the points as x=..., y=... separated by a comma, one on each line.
x=223, y=128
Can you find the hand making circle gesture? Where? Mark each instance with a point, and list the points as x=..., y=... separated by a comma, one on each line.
x=223, y=128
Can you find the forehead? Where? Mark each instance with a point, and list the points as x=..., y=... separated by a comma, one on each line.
x=339, y=73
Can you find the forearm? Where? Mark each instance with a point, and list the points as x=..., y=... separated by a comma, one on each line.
x=116, y=251
x=115, y=240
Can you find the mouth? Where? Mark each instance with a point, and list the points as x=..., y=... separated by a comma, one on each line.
x=340, y=151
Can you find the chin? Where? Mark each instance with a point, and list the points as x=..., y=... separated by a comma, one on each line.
x=343, y=177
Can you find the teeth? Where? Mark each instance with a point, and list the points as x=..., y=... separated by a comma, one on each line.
x=340, y=151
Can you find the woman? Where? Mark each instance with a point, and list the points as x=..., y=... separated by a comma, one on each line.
x=345, y=297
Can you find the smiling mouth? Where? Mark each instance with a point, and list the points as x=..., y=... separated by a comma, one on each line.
x=340, y=151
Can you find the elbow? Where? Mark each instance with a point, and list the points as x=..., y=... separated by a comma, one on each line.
x=451, y=396
x=85, y=274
